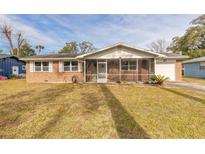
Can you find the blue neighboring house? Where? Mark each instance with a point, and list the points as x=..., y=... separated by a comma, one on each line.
x=11, y=65
x=194, y=67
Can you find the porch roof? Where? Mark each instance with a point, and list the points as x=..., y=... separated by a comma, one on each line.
x=123, y=45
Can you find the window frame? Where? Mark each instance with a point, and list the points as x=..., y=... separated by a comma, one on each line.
x=41, y=67
x=202, y=67
x=71, y=66
x=45, y=66
x=66, y=66
x=129, y=65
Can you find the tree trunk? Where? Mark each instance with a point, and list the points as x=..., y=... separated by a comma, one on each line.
x=10, y=44
x=6, y=30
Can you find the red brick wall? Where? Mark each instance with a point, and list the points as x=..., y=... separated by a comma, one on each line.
x=54, y=76
x=178, y=70
x=143, y=66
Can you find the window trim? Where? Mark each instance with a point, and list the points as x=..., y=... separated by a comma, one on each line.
x=34, y=70
x=71, y=66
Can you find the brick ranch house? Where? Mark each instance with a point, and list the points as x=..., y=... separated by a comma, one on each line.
x=119, y=62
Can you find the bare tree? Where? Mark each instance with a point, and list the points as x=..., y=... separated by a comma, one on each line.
x=20, y=41
x=6, y=30
x=159, y=46
x=8, y=33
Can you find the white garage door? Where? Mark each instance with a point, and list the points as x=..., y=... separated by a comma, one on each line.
x=167, y=69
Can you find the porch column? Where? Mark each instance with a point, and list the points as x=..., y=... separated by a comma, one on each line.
x=149, y=70
x=154, y=65
x=120, y=68
x=106, y=69
x=84, y=70
x=137, y=69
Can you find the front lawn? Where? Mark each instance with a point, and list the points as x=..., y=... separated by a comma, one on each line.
x=194, y=80
x=99, y=111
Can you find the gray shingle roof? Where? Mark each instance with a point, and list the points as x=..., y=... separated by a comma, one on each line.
x=200, y=59
x=52, y=56
x=59, y=55
x=173, y=55
x=7, y=56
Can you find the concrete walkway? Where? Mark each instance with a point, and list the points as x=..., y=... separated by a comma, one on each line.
x=188, y=85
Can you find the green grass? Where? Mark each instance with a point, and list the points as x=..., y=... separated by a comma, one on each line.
x=99, y=111
x=194, y=80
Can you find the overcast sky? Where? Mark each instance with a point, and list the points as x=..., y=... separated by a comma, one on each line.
x=53, y=31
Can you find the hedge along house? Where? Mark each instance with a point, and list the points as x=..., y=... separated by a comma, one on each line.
x=195, y=67
x=116, y=63
x=11, y=65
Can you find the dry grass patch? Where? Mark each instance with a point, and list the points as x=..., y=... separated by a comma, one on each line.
x=99, y=111
x=194, y=80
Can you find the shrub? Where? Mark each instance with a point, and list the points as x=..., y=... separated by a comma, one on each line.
x=3, y=77
x=22, y=76
x=150, y=82
x=159, y=79
x=13, y=76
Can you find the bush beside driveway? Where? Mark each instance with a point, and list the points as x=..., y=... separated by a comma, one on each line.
x=99, y=111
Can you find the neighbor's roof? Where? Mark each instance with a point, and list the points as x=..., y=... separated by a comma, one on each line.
x=51, y=56
x=174, y=55
x=200, y=59
x=121, y=44
x=7, y=56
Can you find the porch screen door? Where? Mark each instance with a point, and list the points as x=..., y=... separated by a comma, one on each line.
x=102, y=72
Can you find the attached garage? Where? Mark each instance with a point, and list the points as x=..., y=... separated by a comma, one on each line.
x=166, y=68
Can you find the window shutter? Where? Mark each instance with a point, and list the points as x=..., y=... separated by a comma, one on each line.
x=60, y=66
x=50, y=66
x=31, y=66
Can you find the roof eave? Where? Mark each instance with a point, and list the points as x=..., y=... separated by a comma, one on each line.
x=190, y=62
x=178, y=57
x=31, y=59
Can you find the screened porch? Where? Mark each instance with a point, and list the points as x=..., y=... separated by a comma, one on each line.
x=118, y=70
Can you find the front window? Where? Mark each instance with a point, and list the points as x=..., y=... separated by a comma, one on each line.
x=45, y=66
x=129, y=65
x=37, y=66
x=41, y=66
x=132, y=65
x=70, y=66
x=125, y=65
x=74, y=66
x=67, y=66
x=202, y=65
